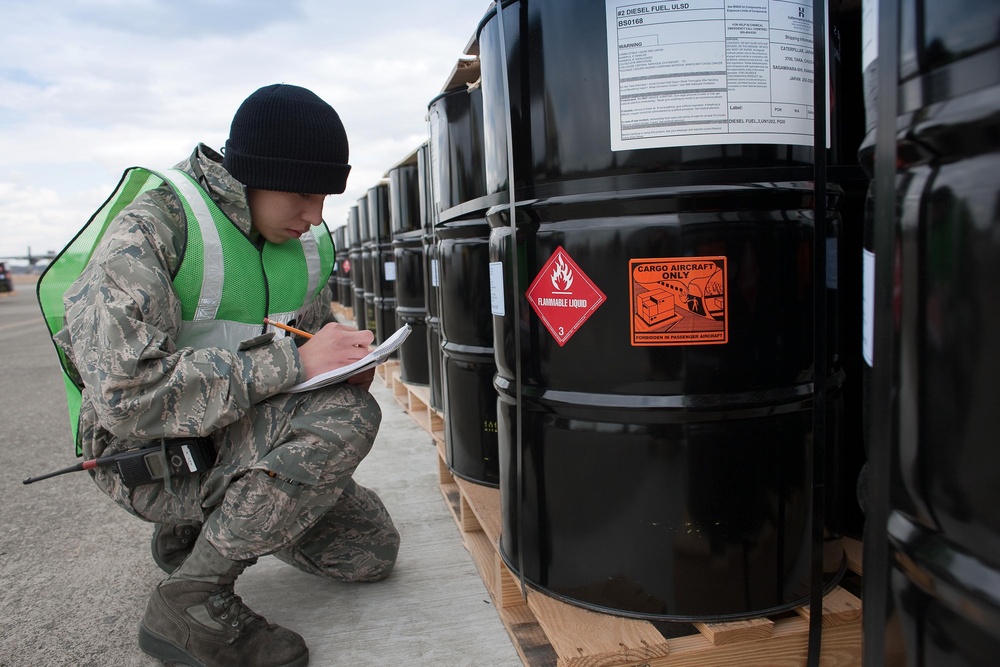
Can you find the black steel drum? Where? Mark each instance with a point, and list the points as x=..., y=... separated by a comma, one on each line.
x=384, y=265
x=944, y=514
x=337, y=264
x=343, y=293
x=355, y=255
x=408, y=254
x=369, y=272
x=462, y=233
x=662, y=465
x=432, y=296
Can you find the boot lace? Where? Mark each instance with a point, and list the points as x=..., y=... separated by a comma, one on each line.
x=235, y=612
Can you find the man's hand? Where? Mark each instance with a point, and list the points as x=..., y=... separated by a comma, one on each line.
x=334, y=346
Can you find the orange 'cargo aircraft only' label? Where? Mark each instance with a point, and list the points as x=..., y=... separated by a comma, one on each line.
x=678, y=301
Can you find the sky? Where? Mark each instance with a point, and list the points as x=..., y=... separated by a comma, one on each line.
x=89, y=88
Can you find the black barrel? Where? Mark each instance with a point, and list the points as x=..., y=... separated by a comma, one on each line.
x=343, y=293
x=408, y=253
x=462, y=233
x=849, y=122
x=866, y=157
x=384, y=265
x=432, y=296
x=662, y=466
x=369, y=258
x=337, y=268
x=944, y=515
x=355, y=257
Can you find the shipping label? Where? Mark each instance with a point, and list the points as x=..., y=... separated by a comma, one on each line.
x=711, y=72
x=678, y=301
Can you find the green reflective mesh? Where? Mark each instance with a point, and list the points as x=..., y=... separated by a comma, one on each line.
x=69, y=264
x=287, y=276
x=245, y=298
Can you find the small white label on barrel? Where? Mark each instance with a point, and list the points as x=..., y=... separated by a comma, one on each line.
x=390, y=271
x=437, y=129
x=496, y=288
x=435, y=276
x=709, y=72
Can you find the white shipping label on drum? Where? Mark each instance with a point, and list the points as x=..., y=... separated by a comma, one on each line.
x=496, y=288
x=390, y=271
x=438, y=131
x=709, y=72
x=435, y=277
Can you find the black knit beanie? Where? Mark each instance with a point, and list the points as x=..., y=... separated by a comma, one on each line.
x=286, y=138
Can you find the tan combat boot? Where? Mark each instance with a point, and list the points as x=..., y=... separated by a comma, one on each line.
x=194, y=617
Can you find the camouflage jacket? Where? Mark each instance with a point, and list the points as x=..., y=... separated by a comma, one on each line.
x=123, y=316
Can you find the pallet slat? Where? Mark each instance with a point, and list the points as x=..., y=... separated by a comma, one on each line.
x=839, y=607
x=855, y=555
x=787, y=647
x=736, y=631
x=583, y=638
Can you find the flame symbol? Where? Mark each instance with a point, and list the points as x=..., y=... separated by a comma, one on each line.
x=562, y=276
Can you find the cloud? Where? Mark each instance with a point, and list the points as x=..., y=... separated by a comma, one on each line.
x=89, y=88
x=196, y=19
x=42, y=219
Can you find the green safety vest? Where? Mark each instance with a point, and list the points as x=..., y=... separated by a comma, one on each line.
x=225, y=283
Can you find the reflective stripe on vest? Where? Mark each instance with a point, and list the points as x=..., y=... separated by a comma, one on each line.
x=227, y=285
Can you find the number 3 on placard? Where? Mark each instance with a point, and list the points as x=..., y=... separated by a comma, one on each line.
x=562, y=331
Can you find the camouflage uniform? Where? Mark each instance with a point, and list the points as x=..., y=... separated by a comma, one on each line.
x=282, y=480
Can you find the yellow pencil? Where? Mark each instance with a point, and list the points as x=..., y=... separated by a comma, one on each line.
x=298, y=332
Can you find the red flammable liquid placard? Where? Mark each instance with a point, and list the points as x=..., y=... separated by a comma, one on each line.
x=563, y=296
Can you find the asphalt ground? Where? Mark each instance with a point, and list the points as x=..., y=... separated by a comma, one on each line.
x=75, y=570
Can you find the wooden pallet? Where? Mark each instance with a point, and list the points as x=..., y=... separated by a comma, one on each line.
x=550, y=633
x=855, y=555
x=343, y=314
x=385, y=370
x=415, y=400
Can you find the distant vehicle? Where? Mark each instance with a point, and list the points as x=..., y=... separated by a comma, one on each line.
x=6, y=282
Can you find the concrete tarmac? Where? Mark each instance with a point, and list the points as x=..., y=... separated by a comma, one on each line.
x=75, y=570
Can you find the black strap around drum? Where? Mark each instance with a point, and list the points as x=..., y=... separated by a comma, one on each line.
x=819, y=333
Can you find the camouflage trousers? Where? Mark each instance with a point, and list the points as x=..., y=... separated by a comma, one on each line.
x=282, y=485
